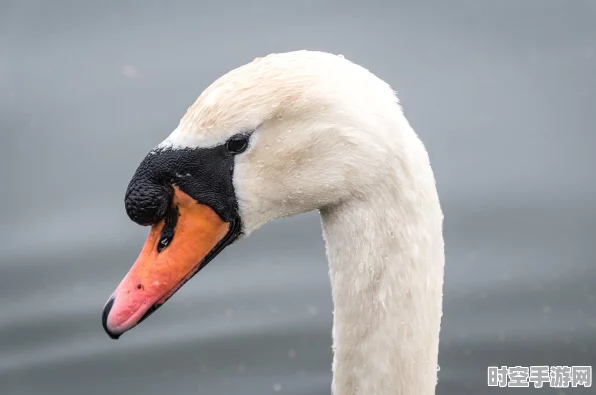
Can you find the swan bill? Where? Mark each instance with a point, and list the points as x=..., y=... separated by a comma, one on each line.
x=177, y=247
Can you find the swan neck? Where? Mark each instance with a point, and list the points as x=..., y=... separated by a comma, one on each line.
x=386, y=261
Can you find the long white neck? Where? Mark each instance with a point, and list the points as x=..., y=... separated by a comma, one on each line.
x=386, y=258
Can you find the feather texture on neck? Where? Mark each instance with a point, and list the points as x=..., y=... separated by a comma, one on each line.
x=327, y=134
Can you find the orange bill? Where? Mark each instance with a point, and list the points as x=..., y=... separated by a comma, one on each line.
x=159, y=272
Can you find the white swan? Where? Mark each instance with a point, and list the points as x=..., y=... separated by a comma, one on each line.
x=286, y=134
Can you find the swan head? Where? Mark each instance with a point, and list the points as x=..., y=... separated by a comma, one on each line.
x=282, y=135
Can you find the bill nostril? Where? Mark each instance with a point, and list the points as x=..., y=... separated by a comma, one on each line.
x=104, y=318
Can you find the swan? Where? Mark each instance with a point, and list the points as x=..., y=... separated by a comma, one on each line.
x=282, y=135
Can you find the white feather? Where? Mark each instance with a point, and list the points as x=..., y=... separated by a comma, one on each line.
x=331, y=136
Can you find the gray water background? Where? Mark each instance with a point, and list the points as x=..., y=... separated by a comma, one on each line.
x=503, y=94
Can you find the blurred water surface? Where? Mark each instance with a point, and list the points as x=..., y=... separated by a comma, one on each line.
x=502, y=93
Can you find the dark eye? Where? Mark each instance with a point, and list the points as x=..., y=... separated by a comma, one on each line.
x=237, y=144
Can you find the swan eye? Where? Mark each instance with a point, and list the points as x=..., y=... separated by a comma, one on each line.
x=237, y=144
